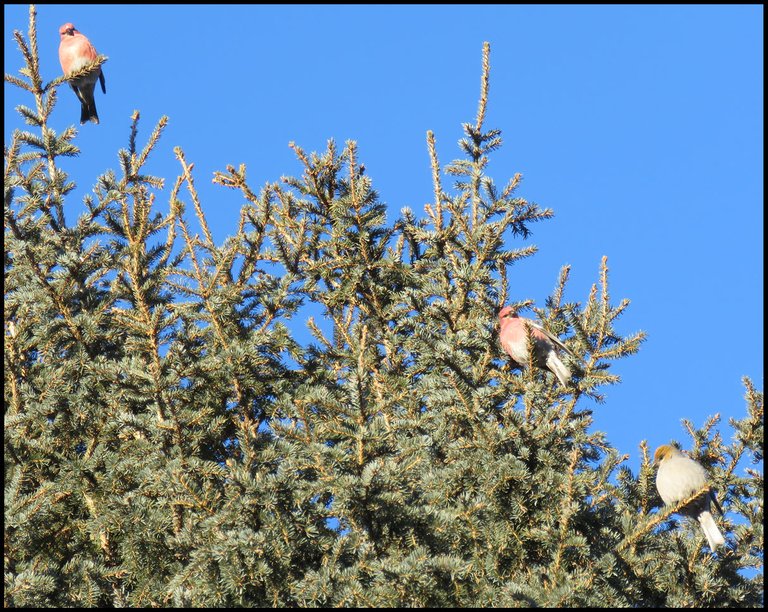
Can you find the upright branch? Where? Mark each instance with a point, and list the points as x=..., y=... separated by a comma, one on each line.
x=484, y=83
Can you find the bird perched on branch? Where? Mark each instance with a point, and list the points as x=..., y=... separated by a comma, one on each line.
x=678, y=478
x=514, y=341
x=76, y=52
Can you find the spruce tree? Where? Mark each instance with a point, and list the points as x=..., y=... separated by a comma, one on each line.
x=169, y=440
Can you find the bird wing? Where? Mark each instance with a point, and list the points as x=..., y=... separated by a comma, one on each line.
x=553, y=338
x=713, y=498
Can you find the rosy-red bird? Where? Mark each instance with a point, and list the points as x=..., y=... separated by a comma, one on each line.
x=515, y=342
x=76, y=51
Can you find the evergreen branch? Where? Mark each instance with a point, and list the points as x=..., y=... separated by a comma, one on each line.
x=88, y=69
x=605, y=304
x=14, y=366
x=557, y=296
x=11, y=153
x=317, y=333
x=152, y=141
x=437, y=213
x=187, y=174
x=484, y=81
x=13, y=80
x=513, y=183
x=649, y=524
x=566, y=510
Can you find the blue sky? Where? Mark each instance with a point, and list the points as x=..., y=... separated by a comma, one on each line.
x=640, y=126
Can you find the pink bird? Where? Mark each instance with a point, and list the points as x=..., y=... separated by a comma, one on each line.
x=514, y=341
x=75, y=52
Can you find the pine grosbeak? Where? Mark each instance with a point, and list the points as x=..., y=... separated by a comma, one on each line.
x=75, y=52
x=678, y=478
x=514, y=341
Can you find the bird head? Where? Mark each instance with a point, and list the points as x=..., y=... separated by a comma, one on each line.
x=665, y=451
x=512, y=312
x=68, y=29
x=507, y=311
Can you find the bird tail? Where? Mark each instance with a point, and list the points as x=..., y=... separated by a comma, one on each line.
x=559, y=368
x=709, y=527
x=88, y=112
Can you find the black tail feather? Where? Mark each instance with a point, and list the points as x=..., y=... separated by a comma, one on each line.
x=88, y=113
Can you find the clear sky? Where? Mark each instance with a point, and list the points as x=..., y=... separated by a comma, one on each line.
x=640, y=126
